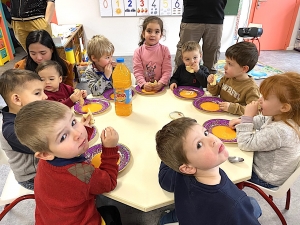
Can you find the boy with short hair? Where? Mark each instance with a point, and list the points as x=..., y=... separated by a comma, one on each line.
x=236, y=87
x=190, y=73
x=100, y=51
x=18, y=88
x=65, y=185
x=190, y=168
x=51, y=74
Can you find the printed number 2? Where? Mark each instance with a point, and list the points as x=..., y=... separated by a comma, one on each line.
x=129, y=3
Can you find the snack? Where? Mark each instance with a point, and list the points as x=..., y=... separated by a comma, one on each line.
x=154, y=83
x=92, y=121
x=215, y=80
x=189, y=69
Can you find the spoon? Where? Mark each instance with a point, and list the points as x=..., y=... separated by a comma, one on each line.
x=235, y=159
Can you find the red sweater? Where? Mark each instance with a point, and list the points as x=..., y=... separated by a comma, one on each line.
x=62, y=95
x=65, y=195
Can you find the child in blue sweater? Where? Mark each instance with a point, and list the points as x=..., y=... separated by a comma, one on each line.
x=190, y=168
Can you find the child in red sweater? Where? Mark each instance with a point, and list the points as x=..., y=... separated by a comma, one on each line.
x=65, y=185
x=51, y=74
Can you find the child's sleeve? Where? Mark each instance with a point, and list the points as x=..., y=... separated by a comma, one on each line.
x=166, y=67
x=104, y=178
x=266, y=139
x=215, y=89
x=202, y=75
x=252, y=94
x=138, y=70
x=96, y=83
x=176, y=76
x=166, y=177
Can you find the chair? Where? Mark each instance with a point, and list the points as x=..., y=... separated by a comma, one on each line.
x=12, y=192
x=252, y=32
x=279, y=192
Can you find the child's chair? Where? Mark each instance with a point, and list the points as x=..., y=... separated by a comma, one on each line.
x=12, y=192
x=279, y=192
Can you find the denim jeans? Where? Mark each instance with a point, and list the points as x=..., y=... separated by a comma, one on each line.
x=255, y=179
x=168, y=218
x=29, y=184
x=257, y=210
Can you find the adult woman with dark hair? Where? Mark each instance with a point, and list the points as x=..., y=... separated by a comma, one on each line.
x=40, y=47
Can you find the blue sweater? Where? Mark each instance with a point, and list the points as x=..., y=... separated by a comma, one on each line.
x=197, y=203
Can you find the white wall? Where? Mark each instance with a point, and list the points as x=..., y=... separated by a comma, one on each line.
x=124, y=32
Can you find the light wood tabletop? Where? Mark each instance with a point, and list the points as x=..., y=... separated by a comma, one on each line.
x=138, y=184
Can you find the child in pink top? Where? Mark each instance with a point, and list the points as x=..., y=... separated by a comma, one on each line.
x=152, y=60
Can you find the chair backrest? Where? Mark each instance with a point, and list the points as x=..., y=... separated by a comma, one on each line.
x=3, y=142
x=282, y=190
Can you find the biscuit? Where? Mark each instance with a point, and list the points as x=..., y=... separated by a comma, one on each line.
x=215, y=80
x=92, y=121
x=81, y=100
x=189, y=69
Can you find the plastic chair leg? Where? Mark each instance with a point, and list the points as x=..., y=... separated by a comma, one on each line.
x=8, y=207
x=271, y=203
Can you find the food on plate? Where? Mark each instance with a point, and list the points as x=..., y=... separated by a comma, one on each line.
x=96, y=160
x=224, y=132
x=93, y=107
x=188, y=94
x=210, y=106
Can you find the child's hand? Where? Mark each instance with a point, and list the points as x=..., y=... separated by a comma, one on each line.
x=75, y=96
x=114, y=63
x=195, y=67
x=210, y=78
x=251, y=109
x=148, y=86
x=158, y=86
x=234, y=122
x=109, y=137
x=172, y=86
x=84, y=93
x=108, y=70
x=224, y=106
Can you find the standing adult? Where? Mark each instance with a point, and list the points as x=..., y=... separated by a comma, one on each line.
x=202, y=19
x=30, y=15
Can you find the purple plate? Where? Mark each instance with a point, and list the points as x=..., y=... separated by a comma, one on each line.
x=139, y=91
x=197, y=102
x=107, y=94
x=124, y=153
x=210, y=124
x=95, y=131
x=199, y=92
x=105, y=104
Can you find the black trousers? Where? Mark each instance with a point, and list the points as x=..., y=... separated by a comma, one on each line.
x=110, y=215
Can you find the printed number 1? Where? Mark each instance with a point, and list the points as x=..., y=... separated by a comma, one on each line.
x=118, y=3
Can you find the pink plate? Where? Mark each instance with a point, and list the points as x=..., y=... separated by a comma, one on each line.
x=198, y=91
x=139, y=91
x=123, y=151
x=107, y=94
x=210, y=124
x=105, y=105
x=197, y=102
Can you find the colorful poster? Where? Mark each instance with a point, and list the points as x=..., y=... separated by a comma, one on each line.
x=142, y=7
x=165, y=7
x=118, y=7
x=105, y=8
x=154, y=7
x=177, y=7
x=130, y=7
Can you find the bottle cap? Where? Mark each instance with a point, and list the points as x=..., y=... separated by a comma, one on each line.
x=120, y=60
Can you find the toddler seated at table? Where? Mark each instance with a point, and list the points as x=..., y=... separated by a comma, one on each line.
x=236, y=87
x=99, y=72
x=274, y=135
x=190, y=168
x=65, y=185
x=51, y=74
x=190, y=73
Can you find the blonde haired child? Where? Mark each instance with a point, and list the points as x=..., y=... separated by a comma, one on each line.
x=274, y=135
x=100, y=51
x=152, y=66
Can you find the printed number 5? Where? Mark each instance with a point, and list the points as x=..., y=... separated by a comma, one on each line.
x=165, y=3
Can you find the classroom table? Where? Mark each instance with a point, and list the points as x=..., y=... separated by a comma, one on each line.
x=138, y=184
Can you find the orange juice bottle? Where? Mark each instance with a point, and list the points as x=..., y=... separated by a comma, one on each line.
x=121, y=77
